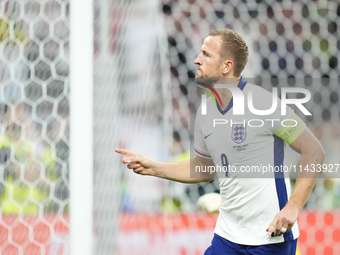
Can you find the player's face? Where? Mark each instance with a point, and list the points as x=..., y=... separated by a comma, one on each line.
x=208, y=61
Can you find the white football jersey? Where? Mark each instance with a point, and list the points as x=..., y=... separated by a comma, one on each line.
x=248, y=204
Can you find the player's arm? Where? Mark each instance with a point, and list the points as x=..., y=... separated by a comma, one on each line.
x=311, y=152
x=179, y=172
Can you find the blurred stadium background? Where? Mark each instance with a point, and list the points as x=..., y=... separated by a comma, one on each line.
x=144, y=52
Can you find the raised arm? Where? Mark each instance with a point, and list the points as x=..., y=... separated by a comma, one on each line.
x=311, y=153
x=179, y=172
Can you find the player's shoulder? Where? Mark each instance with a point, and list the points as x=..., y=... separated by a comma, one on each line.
x=210, y=103
x=257, y=89
x=259, y=93
x=261, y=99
x=210, y=107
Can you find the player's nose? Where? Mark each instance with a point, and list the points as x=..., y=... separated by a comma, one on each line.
x=198, y=60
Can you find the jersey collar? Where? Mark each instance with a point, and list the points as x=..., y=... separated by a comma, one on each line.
x=241, y=86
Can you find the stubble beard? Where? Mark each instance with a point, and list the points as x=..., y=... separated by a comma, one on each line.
x=206, y=79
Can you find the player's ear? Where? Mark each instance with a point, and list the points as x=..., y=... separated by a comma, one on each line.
x=227, y=66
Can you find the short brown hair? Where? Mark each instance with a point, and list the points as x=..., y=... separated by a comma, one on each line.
x=233, y=47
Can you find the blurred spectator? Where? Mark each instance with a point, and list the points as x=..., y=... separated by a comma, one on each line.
x=29, y=166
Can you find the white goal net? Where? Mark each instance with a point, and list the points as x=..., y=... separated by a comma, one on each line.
x=286, y=40
x=34, y=131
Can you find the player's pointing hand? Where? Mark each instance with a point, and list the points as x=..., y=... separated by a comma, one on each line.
x=138, y=162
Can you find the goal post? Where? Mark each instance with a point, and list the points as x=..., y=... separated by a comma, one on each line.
x=81, y=127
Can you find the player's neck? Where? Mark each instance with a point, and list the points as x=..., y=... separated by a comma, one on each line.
x=225, y=94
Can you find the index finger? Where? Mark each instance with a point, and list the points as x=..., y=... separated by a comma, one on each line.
x=126, y=152
x=272, y=226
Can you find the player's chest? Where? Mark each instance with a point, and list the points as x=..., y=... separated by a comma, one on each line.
x=231, y=135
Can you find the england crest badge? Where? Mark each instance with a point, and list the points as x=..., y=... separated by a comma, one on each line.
x=238, y=133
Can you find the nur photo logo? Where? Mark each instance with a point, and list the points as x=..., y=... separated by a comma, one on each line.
x=238, y=104
x=239, y=98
